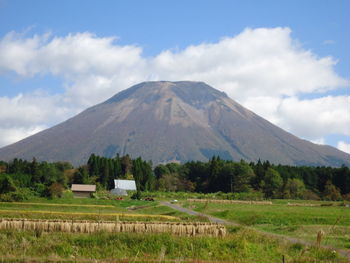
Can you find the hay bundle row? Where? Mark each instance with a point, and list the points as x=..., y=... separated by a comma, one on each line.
x=230, y=201
x=302, y=204
x=84, y=226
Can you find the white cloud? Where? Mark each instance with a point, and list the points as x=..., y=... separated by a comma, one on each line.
x=92, y=68
x=310, y=119
x=343, y=146
x=320, y=141
x=264, y=69
x=26, y=114
x=14, y=134
x=257, y=62
x=265, y=106
x=329, y=42
x=69, y=56
x=316, y=117
x=31, y=109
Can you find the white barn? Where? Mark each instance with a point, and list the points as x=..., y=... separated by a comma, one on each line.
x=121, y=186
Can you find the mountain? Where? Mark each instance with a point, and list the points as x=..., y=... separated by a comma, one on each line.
x=172, y=121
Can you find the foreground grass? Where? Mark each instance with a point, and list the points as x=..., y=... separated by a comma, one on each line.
x=301, y=222
x=241, y=245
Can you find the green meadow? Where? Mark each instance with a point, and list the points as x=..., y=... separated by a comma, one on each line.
x=333, y=218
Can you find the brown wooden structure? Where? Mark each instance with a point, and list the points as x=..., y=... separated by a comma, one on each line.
x=83, y=190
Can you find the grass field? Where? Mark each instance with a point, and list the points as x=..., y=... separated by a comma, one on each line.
x=91, y=209
x=241, y=244
x=296, y=221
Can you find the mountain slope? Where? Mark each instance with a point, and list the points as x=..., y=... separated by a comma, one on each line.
x=172, y=121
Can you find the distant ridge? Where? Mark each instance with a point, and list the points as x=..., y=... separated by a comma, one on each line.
x=172, y=121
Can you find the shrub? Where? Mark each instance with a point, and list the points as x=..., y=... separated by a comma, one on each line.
x=346, y=197
x=272, y=183
x=294, y=189
x=331, y=192
x=310, y=195
x=102, y=194
x=68, y=194
x=55, y=190
x=136, y=195
x=256, y=195
x=326, y=204
x=7, y=185
x=20, y=194
x=40, y=189
x=7, y=197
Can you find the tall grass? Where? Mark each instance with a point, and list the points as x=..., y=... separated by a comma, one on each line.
x=242, y=246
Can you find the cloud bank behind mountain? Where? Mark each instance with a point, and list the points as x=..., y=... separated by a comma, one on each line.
x=264, y=69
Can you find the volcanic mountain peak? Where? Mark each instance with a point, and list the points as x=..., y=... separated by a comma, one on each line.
x=163, y=121
x=180, y=102
x=189, y=91
x=179, y=99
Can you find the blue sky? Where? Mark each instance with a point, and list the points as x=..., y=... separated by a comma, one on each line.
x=302, y=87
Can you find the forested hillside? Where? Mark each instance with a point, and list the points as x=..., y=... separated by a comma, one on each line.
x=19, y=178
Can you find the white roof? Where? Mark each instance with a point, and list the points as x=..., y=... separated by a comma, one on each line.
x=125, y=184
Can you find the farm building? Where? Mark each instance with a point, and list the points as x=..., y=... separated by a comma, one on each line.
x=121, y=186
x=83, y=190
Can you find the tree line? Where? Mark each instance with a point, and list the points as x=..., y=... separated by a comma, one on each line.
x=260, y=179
x=20, y=179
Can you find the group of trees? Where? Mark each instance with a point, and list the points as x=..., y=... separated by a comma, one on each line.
x=103, y=171
x=271, y=181
x=20, y=178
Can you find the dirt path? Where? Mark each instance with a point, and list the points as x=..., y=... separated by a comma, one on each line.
x=293, y=240
x=194, y=213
